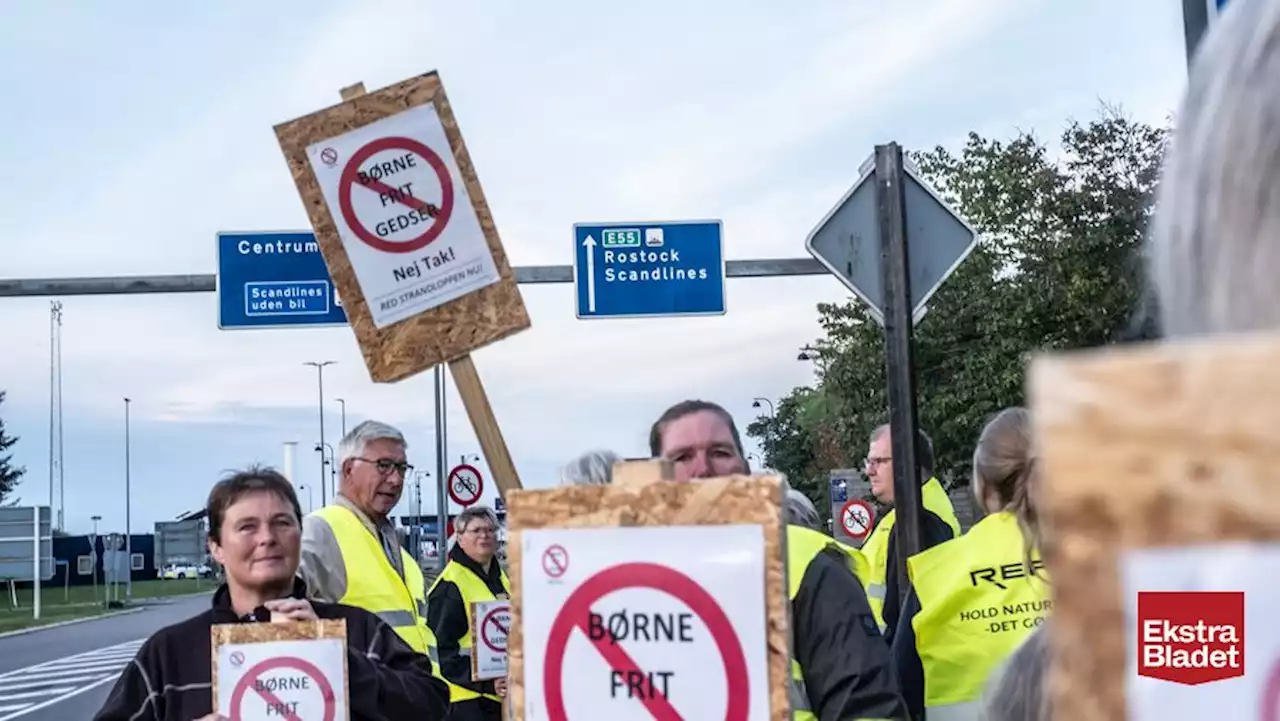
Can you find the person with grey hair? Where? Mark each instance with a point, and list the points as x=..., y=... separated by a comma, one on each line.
x=593, y=468
x=472, y=574
x=1212, y=251
x=800, y=511
x=351, y=552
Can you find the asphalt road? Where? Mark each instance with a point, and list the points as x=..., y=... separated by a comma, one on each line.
x=65, y=673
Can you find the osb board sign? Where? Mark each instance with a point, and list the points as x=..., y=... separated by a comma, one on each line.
x=743, y=501
x=351, y=184
x=247, y=633
x=1161, y=445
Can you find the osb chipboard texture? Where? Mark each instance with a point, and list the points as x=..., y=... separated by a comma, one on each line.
x=240, y=633
x=446, y=332
x=718, y=501
x=1165, y=445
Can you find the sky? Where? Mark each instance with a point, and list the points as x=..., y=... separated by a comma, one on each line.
x=157, y=121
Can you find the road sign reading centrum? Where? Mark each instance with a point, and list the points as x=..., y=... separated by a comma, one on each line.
x=404, y=215
x=648, y=269
x=274, y=280
x=646, y=623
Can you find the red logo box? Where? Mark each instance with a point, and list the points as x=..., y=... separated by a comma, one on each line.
x=1191, y=637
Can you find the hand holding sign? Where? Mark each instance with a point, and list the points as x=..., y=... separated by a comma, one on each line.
x=287, y=610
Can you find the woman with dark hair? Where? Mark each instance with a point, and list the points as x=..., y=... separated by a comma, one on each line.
x=255, y=527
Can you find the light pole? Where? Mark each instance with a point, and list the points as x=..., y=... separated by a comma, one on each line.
x=757, y=402
x=128, y=529
x=331, y=462
x=417, y=490
x=310, y=498
x=93, y=554
x=342, y=402
x=319, y=365
x=750, y=456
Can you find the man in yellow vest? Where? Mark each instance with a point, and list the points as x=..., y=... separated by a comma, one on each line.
x=938, y=524
x=839, y=666
x=351, y=553
x=472, y=574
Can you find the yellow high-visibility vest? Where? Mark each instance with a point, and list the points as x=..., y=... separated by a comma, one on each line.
x=978, y=601
x=876, y=549
x=374, y=585
x=804, y=545
x=473, y=590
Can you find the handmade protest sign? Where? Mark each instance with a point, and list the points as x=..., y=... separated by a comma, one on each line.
x=649, y=600
x=1161, y=519
x=490, y=624
x=295, y=671
x=408, y=239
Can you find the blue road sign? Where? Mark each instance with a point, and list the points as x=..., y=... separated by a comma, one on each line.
x=648, y=269
x=274, y=280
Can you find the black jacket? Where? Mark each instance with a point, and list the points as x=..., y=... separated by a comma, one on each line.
x=934, y=531
x=169, y=679
x=837, y=644
x=448, y=619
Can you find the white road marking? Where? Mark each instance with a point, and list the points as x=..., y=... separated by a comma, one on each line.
x=35, y=687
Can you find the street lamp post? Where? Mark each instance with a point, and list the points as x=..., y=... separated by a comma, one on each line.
x=331, y=462
x=128, y=528
x=342, y=402
x=93, y=554
x=757, y=402
x=310, y=498
x=319, y=365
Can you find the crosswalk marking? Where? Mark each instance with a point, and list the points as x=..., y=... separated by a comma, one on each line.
x=30, y=689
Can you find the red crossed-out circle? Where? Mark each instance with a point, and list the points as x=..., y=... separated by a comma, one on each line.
x=555, y=560
x=351, y=178
x=491, y=621
x=848, y=518
x=576, y=609
x=246, y=683
x=456, y=477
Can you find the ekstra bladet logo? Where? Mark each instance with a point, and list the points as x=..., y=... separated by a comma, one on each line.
x=1191, y=637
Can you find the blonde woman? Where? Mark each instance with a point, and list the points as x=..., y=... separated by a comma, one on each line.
x=974, y=599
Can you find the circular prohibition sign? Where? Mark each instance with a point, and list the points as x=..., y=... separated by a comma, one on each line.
x=465, y=484
x=573, y=614
x=856, y=517
x=247, y=682
x=351, y=178
x=491, y=622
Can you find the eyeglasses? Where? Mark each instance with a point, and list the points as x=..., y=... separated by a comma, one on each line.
x=876, y=461
x=385, y=465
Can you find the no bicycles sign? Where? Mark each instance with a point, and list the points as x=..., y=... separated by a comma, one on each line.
x=639, y=628
x=403, y=214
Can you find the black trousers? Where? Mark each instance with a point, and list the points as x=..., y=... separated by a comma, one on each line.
x=478, y=709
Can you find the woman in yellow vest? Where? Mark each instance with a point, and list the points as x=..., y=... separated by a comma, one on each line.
x=975, y=598
x=472, y=574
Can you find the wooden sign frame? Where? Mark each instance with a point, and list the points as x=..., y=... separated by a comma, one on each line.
x=450, y=331
x=243, y=633
x=717, y=501
x=1159, y=445
x=446, y=333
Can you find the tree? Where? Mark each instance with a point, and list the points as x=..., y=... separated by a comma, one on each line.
x=1057, y=266
x=10, y=475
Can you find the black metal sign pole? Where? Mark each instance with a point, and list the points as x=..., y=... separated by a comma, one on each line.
x=899, y=364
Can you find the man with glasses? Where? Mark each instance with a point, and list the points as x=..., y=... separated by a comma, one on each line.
x=472, y=574
x=351, y=553
x=938, y=524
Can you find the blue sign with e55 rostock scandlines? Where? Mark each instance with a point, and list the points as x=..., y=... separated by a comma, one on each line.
x=648, y=269
x=274, y=280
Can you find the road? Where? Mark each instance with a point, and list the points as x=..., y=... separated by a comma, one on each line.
x=65, y=673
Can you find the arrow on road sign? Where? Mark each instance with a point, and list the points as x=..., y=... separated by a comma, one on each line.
x=590, y=245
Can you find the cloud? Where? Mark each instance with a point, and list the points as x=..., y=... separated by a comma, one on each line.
x=572, y=112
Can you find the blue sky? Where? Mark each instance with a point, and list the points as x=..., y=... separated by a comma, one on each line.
x=136, y=133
